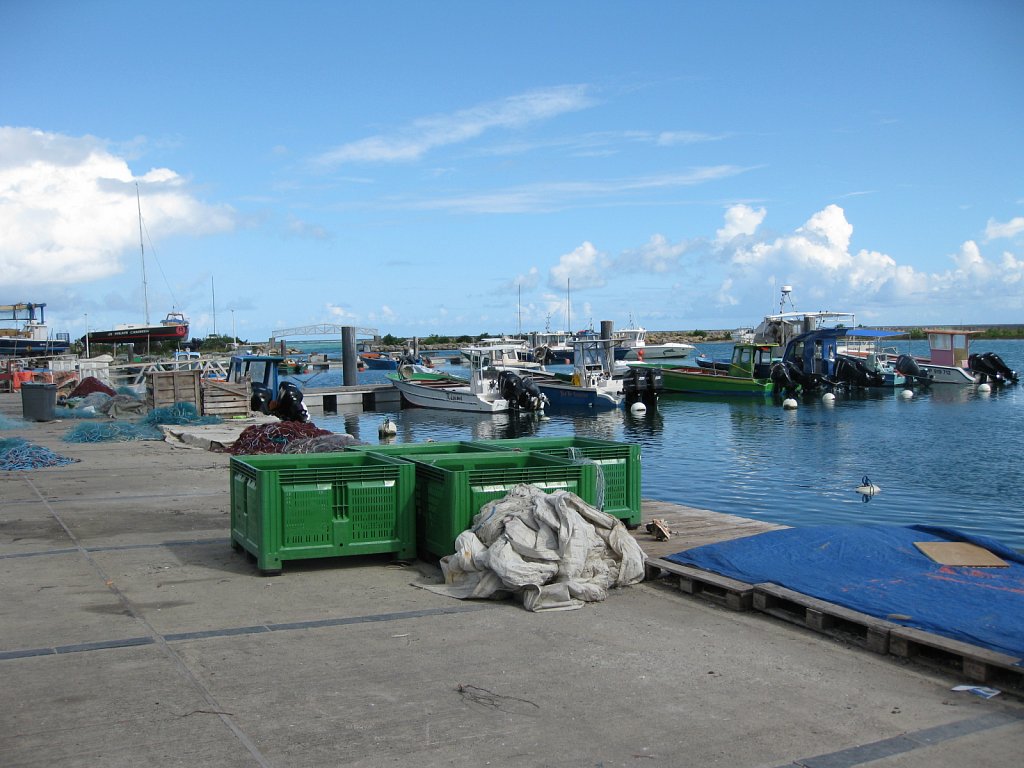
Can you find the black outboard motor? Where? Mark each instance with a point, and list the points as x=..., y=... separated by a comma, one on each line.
x=261, y=399
x=784, y=380
x=521, y=394
x=908, y=367
x=642, y=385
x=289, y=405
x=855, y=373
x=991, y=366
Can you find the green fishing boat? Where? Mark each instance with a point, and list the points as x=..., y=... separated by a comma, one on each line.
x=749, y=374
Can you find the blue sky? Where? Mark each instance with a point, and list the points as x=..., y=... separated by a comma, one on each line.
x=465, y=167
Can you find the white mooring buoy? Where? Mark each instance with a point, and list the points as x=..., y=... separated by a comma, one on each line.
x=387, y=428
x=828, y=398
x=907, y=394
x=986, y=387
x=789, y=404
x=867, y=488
x=638, y=408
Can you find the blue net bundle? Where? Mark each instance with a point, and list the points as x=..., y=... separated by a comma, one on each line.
x=179, y=413
x=8, y=423
x=111, y=432
x=17, y=454
x=64, y=412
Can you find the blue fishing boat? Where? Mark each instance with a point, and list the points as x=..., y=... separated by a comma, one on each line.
x=850, y=357
x=592, y=385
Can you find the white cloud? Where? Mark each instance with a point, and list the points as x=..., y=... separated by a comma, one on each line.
x=657, y=255
x=559, y=195
x=68, y=208
x=830, y=227
x=429, y=133
x=584, y=267
x=305, y=230
x=817, y=260
x=528, y=281
x=671, y=138
x=995, y=229
x=740, y=220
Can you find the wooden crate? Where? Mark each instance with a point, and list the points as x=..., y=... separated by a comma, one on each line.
x=225, y=399
x=165, y=388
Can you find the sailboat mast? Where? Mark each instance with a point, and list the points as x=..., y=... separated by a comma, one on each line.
x=142, y=253
x=568, y=308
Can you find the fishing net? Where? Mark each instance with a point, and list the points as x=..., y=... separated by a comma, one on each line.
x=8, y=423
x=111, y=432
x=578, y=457
x=16, y=454
x=323, y=444
x=179, y=413
x=273, y=438
x=91, y=384
x=145, y=429
x=78, y=412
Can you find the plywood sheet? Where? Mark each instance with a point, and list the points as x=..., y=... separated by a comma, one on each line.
x=960, y=553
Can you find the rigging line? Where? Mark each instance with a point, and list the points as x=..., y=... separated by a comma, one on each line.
x=152, y=250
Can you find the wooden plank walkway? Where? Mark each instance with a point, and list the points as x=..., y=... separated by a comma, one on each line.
x=693, y=527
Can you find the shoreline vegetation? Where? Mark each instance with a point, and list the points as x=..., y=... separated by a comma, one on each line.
x=698, y=336
x=391, y=343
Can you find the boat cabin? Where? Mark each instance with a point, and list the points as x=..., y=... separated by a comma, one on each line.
x=591, y=361
x=751, y=361
x=816, y=352
x=260, y=369
x=950, y=348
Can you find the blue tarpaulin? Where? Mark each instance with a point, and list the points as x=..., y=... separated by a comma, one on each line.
x=877, y=570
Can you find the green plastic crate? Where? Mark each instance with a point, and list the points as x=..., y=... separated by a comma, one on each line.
x=411, y=450
x=451, y=488
x=619, y=463
x=297, y=506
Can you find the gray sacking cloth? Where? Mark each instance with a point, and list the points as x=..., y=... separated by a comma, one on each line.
x=553, y=550
x=124, y=407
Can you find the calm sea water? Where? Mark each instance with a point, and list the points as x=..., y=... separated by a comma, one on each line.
x=951, y=456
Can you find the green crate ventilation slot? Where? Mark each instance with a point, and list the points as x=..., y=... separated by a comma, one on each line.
x=375, y=516
x=307, y=514
x=315, y=497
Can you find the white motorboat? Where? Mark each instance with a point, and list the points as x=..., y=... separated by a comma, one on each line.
x=631, y=344
x=507, y=391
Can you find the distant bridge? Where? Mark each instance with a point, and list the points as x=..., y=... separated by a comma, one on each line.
x=322, y=329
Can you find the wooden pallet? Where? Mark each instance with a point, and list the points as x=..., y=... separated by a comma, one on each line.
x=733, y=594
x=165, y=388
x=821, y=616
x=225, y=399
x=976, y=664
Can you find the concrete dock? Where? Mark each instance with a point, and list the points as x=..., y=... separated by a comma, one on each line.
x=131, y=634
